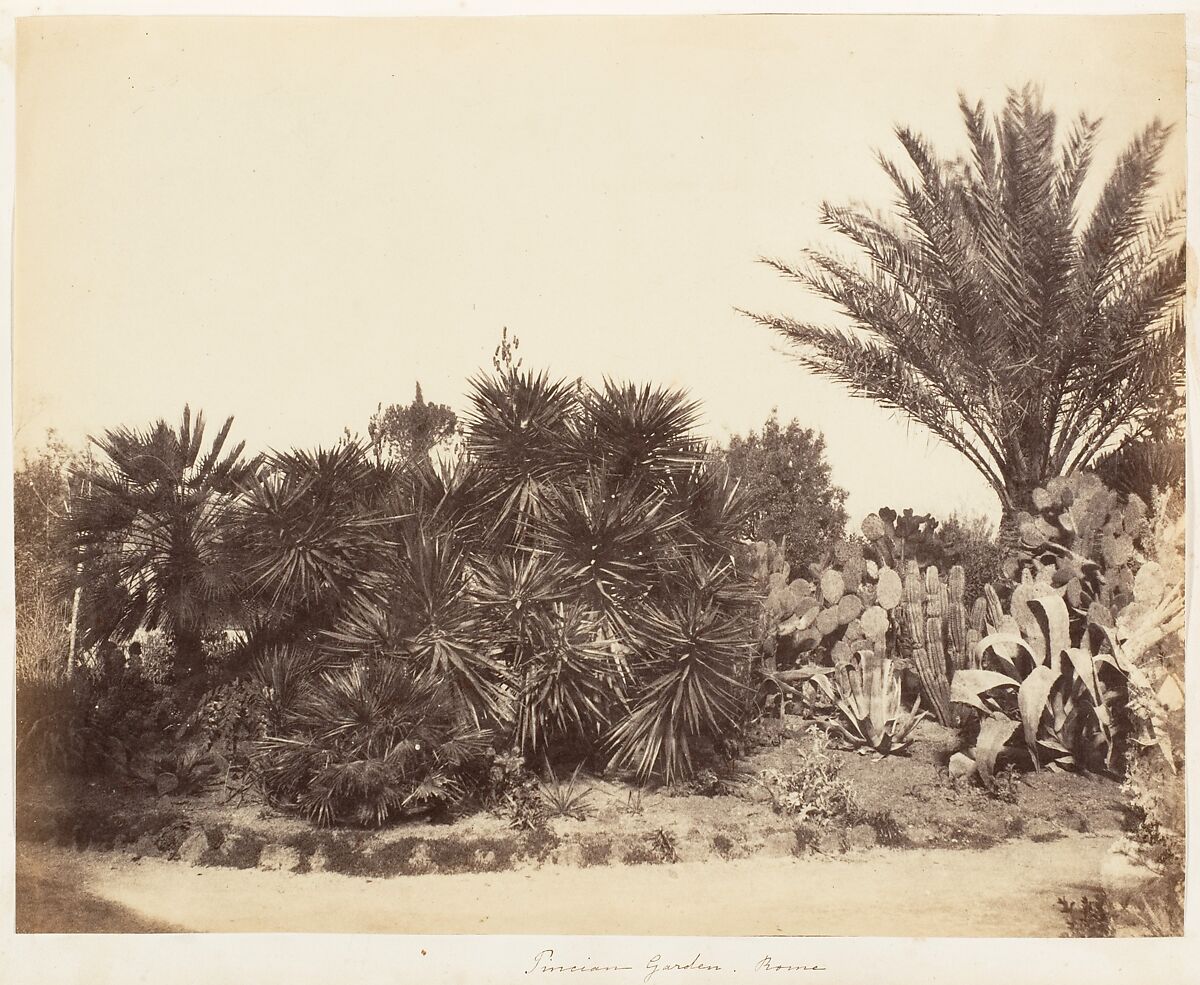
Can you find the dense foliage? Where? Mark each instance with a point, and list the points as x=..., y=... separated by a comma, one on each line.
x=784, y=473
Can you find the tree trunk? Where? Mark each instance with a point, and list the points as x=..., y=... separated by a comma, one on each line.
x=74, y=629
x=189, y=653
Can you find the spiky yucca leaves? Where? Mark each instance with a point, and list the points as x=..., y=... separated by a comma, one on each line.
x=569, y=679
x=429, y=622
x=713, y=506
x=513, y=590
x=309, y=535
x=154, y=515
x=1023, y=336
x=450, y=496
x=520, y=432
x=641, y=432
x=610, y=537
x=689, y=682
x=368, y=743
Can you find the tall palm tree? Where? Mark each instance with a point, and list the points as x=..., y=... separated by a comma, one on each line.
x=153, y=515
x=1027, y=337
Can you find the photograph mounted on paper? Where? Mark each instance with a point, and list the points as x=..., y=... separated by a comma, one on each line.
x=659, y=475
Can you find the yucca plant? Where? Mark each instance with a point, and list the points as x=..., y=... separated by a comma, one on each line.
x=641, y=433
x=564, y=799
x=369, y=743
x=154, y=515
x=691, y=686
x=444, y=635
x=569, y=680
x=1026, y=336
x=611, y=537
x=866, y=691
x=521, y=433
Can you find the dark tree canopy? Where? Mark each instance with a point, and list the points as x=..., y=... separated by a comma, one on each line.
x=406, y=433
x=783, y=471
x=1026, y=336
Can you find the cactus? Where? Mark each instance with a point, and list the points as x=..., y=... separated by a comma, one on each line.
x=889, y=589
x=833, y=587
x=874, y=622
x=849, y=608
x=1086, y=539
x=979, y=615
x=957, y=620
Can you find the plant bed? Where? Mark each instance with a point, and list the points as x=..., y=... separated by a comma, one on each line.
x=901, y=802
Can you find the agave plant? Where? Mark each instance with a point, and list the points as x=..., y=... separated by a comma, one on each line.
x=369, y=743
x=1064, y=694
x=153, y=514
x=866, y=691
x=564, y=799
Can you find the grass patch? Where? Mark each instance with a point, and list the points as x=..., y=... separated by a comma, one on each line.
x=722, y=845
x=595, y=851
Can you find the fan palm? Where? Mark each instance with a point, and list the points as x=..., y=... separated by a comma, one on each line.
x=367, y=743
x=1024, y=336
x=154, y=513
x=308, y=531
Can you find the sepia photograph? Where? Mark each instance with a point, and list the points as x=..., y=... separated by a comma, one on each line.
x=719, y=476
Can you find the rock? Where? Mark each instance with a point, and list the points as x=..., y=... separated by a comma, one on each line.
x=146, y=845
x=861, y=837
x=193, y=848
x=829, y=842
x=567, y=853
x=961, y=766
x=920, y=835
x=419, y=862
x=483, y=860
x=1039, y=829
x=318, y=861
x=755, y=793
x=779, y=844
x=278, y=858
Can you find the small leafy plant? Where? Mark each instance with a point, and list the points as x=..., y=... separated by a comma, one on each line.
x=1088, y=917
x=814, y=791
x=564, y=799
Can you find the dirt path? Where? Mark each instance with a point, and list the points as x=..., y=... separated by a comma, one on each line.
x=1006, y=891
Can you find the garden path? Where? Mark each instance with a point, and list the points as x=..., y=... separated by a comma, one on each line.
x=1009, y=890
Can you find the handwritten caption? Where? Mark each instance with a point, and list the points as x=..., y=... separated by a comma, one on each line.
x=657, y=967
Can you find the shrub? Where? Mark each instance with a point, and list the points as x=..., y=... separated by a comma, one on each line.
x=368, y=743
x=89, y=722
x=1087, y=917
x=814, y=792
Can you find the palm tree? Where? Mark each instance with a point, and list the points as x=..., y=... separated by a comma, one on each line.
x=1024, y=336
x=153, y=515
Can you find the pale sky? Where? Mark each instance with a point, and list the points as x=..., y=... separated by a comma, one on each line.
x=293, y=220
